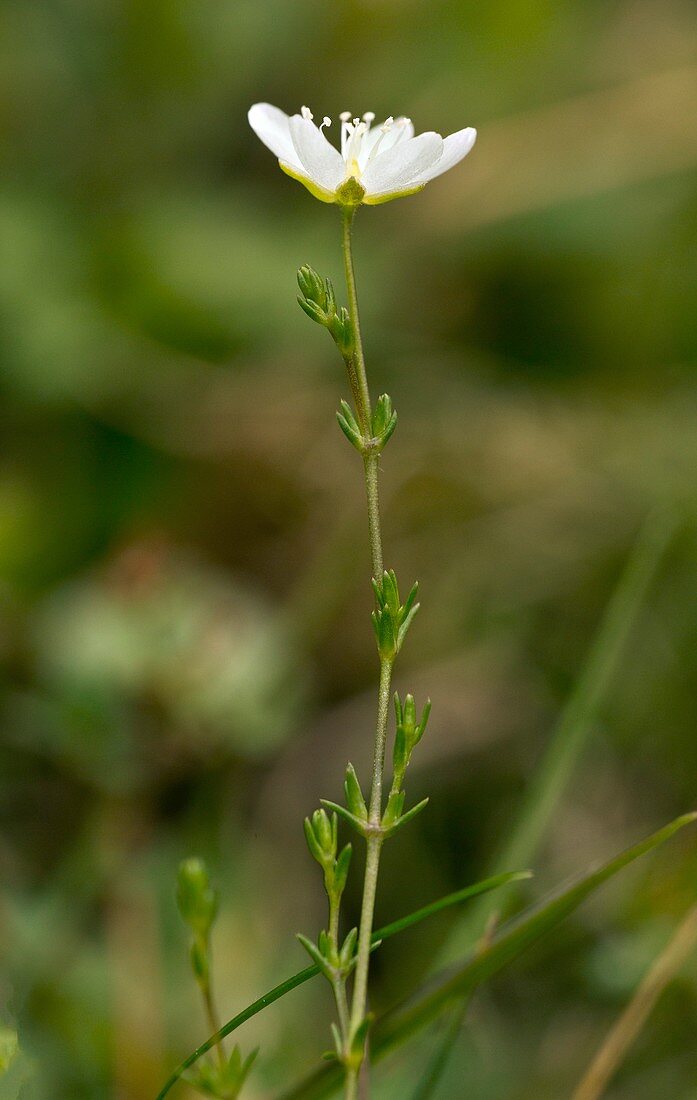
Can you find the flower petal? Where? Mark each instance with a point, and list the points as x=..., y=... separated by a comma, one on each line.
x=395, y=171
x=321, y=161
x=401, y=130
x=271, y=125
x=455, y=147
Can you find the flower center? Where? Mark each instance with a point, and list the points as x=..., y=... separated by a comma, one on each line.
x=357, y=135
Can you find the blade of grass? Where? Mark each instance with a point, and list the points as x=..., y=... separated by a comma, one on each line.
x=569, y=738
x=635, y=1015
x=302, y=976
x=578, y=718
x=394, y=1028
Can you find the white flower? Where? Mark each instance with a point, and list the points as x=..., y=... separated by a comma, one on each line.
x=376, y=163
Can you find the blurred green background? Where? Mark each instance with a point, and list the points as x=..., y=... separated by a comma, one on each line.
x=186, y=661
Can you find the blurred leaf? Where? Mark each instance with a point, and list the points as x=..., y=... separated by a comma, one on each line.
x=9, y=1045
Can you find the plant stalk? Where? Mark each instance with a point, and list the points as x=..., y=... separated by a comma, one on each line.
x=358, y=378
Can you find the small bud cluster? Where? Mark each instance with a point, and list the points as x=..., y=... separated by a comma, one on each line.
x=334, y=959
x=198, y=906
x=317, y=299
x=322, y=840
x=392, y=619
x=383, y=423
x=408, y=733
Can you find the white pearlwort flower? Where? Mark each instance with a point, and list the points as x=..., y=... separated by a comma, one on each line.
x=376, y=163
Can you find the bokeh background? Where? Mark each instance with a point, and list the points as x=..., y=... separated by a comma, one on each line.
x=186, y=661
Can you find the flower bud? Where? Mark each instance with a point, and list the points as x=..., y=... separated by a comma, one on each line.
x=196, y=899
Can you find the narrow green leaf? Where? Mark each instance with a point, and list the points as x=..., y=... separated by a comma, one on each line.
x=408, y=816
x=354, y=821
x=354, y=795
x=389, y=429
x=312, y=971
x=314, y=952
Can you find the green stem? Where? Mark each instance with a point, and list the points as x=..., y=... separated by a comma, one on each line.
x=370, y=463
x=213, y=1018
x=364, y=408
x=358, y=381
x=374, y=847
x=338, y=983
x=359, y=385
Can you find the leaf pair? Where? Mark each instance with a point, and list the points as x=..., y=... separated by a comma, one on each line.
x=382, y=425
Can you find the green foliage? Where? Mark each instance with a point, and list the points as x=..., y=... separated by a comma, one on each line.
x=488, y=958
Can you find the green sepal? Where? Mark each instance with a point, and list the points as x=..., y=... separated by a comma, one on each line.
x=351, y=193
x=354, y=795
x=355, y=822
